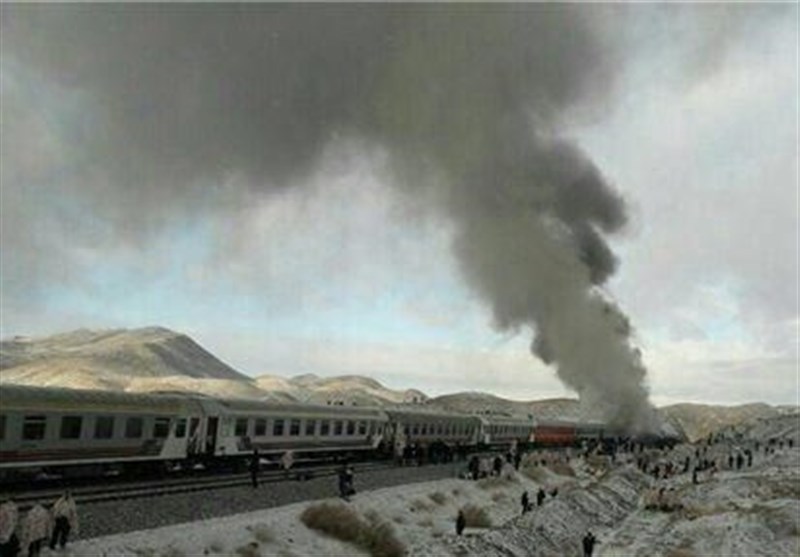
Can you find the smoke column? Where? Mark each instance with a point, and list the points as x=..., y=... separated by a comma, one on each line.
x=466, y=100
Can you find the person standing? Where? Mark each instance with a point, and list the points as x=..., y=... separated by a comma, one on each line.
x=9, y=517
x=540, y=495
x=255, y=466
x=588, y=544
x=35, y=529
x=65, y=515
x=461, y=523
x=526, y=504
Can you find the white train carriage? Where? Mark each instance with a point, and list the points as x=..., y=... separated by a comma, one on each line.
x=237, y=427
x=505, y=431
x=44, y=428
x=426, y=426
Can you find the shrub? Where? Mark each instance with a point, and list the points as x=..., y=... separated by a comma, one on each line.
x=535, y=473
x=499, y=496
x=334, y=520
x=496, y=482
x=248, y=550
x=262, y=532
x=456, y=492
x=562, y=469
x=476, y=516
x=215, y=546
x=438, y=497
x=172, y=551
x=420, y=505
x=371, y=533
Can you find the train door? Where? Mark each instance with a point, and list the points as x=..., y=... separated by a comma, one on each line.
x=194, y=446
x=211, y=435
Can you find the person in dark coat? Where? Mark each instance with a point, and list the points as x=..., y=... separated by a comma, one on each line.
x=588, y=544
x=739, y=461
x=540, y=495
x=461, y=523
x=526, y=504
x=498, y=465
x=517, y=460
x=474, y=467
x=255, y=465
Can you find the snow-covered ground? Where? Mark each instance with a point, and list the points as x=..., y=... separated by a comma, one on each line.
x=752, y=511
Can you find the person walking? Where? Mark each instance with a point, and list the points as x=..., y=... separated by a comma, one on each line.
x=540, y=495
x=9, y=518
x=35, y=529
x=65, y=516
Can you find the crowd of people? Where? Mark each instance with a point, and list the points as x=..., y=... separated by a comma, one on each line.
x=27, y=534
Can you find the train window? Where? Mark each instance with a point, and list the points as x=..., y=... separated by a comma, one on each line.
x=337, y=427
x=104, y=427
x=294, y=427
x=2, y=427
x=71, y=427
x=277, y=427
x=415, y=429
x=241, y=427
x=311, y=426
x=325, y=428
x=33, y=428
x=134, y=428
x=161, y=428
x=180, y=428
x=362, y=428
x=261, y=427
x=351, y=428
x=405, y=429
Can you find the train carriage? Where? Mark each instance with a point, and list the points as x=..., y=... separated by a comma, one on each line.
x=426, y=428
x=504, y=431
x=305, y=429
x=42, y=428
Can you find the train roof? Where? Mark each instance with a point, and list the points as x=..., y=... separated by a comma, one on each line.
x=20, y=395
x=424, y=412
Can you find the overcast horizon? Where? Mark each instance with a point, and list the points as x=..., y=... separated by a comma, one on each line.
x=305, y=189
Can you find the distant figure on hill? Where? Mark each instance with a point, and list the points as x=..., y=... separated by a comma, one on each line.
x=461, y=523
x=498, y=465
x=540, y=495
x=588, y=544
x=65, y=515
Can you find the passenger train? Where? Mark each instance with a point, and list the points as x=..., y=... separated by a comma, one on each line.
x=55, y=430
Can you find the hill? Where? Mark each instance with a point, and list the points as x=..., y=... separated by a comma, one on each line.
x=114, y=359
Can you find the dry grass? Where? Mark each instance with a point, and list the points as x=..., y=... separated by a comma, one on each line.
x=418, y=505
x=562, y=469
x=262, y=532
x=172, y=551
x=476, y=517
x=370, y=533
x=496, y=482
x=535, y=473
x=680, y=552
x=249, y=550
x=438, y=497
x=456, y=492
x=426, y=522
x=499, y=496
x=144, y=552
x=215, y=546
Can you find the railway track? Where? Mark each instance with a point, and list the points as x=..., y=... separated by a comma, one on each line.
x=136, y=490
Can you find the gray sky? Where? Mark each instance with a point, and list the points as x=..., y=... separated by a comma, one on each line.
x=412, y=193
